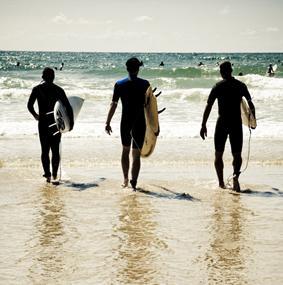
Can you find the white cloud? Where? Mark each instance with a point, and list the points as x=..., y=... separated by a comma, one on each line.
x=82, y=21
x=143, y=19
x=61, y=19
x=224, y=11
x=272, y=29
x=249, y=32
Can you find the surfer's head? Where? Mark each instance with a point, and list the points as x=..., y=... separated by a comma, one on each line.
x=133, y=65
x=48, y=74
x=226, y=69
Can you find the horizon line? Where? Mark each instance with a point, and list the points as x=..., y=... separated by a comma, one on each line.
x=169, y=52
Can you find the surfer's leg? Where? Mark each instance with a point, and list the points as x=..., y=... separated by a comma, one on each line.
x=220, y=137
x=219, y=166
x=138, y=133
x=236, y=141
x=55, y=148
x=125, y=162
x=135, y=167
x=45, y=148
x=126, y=142
x=237, y=163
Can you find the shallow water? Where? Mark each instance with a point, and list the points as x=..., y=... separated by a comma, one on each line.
x=172, y=231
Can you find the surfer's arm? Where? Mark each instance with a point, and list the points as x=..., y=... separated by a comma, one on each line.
x=248, y=97
x=210, y=101
x=206, y=113
x=30, y=104
x=111, y=113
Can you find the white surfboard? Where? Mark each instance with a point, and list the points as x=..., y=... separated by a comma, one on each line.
x=61, y=117
x=248, y=118
x=152, y=123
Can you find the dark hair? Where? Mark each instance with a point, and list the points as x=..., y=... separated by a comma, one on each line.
x=133, y=64
x=48, y=74
x=226, y=67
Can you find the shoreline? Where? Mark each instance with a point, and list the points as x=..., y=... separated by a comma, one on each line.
x=173, y=160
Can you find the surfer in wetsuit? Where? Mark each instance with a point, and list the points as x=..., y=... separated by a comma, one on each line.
x=131, y=91
x=47, y=94
x=270, y=70
x=229, y=93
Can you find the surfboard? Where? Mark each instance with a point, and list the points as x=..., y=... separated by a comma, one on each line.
x=61, y=117
x=274, y=67
x=152, y=123
x=248, y=118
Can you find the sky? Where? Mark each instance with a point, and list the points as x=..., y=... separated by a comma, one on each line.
x=142, y=26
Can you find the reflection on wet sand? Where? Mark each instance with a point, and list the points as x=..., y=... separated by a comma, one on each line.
x=135, y=256
x=48, y=261
x=227, y=253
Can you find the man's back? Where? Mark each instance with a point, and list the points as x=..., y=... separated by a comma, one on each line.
x=132, y=94
x=229, y=93
x=47, y=95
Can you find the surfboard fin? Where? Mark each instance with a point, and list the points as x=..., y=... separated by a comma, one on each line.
x=52, y=125
x=162, y=110
x=156, y=94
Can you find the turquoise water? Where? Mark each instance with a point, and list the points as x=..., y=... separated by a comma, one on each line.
x=184, y=85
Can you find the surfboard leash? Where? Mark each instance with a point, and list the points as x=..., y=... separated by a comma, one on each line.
x=60, y=164
x=247, y=160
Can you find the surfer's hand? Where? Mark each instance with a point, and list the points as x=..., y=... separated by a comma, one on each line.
x=108, y=129
x=203, y=132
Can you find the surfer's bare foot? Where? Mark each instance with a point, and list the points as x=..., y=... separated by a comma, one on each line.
x=48, y=178
x=125, y=184
x=236, y=184
x=222, y=185
x=55, y=180
x=134, y=184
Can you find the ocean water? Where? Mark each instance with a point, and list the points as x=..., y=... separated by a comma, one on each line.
x=184, y=85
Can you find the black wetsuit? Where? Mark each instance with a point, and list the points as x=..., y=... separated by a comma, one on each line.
x=229, y=93
x=132, y=93
x=47, y=94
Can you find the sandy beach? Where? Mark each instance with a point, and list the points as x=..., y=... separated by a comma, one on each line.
x=178, y=228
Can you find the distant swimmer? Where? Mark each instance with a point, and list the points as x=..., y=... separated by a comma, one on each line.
x=200, y=63
x=18, y=63
x=161, y=63
x=229, y=93
x=241, y=74
x=62, y=65
x=270, y=70
x=47, y=94
x=131, y=91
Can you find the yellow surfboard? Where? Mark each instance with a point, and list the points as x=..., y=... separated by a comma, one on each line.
x=152, y=123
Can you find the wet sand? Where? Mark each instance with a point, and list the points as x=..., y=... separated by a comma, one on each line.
x=178, y=228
